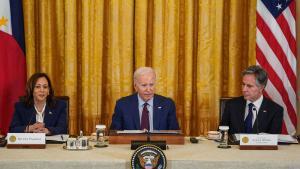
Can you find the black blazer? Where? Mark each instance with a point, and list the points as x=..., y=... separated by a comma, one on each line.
x=54, y=119
x=269, y=118
x=126, y=115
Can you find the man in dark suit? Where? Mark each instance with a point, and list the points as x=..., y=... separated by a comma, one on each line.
x=253, y=113
x=144, y=109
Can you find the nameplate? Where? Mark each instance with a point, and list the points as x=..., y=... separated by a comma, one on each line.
x=26, y=140
x=258, y=141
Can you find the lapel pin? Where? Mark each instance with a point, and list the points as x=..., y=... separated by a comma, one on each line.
x=50, y=112
x=264, y=110
x=159, y=107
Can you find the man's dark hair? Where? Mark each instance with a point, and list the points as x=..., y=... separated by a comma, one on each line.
x=261, y=76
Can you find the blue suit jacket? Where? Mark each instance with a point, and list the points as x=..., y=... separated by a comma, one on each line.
x=269, y=118
x=54, y=118
x=126, y=115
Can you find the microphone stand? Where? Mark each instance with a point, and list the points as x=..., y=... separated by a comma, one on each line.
x=148, y=135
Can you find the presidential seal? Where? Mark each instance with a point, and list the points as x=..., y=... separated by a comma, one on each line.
x=12, y=138
x=148, y=157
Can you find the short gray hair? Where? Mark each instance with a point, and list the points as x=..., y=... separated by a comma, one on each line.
x=261, y=76
x=141, y=71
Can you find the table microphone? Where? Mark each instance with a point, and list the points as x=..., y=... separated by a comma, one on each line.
x=254, y=109
x=27, y=126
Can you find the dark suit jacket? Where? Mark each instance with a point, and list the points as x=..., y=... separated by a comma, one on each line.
x=269, y=118
x=126, y=115
x=54, y=118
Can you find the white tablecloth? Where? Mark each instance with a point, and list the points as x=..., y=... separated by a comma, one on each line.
x=204, y=155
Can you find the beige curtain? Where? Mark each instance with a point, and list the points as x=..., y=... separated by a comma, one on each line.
x=90, y=49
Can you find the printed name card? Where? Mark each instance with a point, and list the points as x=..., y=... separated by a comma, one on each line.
x=258, y=141
x=26, y=140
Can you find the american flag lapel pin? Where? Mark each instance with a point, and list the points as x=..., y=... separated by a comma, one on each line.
x=264, y=111
x=159, y=107
x=50, y=112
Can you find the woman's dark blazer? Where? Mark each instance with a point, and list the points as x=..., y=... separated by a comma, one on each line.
x=54, y=118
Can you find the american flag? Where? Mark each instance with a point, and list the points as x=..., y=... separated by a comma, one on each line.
x=276, y=53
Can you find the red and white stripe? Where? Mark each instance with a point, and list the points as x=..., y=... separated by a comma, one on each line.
x=276, y=53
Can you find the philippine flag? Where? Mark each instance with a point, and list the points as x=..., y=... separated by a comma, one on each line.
x=12, y=59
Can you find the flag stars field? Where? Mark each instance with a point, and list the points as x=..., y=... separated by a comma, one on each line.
x=278, y=6
x=3, y=21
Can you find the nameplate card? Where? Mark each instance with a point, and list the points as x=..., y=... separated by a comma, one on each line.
x=26, y=140
x=258, y=141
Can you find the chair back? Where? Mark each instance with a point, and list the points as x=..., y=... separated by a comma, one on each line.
x=67, y=100
x=223, y=101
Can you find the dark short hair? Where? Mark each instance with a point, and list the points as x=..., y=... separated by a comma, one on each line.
x=28, y=99
x=261, y=76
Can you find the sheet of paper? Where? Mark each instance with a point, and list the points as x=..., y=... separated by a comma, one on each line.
x=165, y=131
x=287, y=139
x=151, y=131
x=130, y=131
x=59, y=137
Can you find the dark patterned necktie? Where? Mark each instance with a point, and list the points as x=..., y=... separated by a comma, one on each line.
x=145, y=118
x=248, y=120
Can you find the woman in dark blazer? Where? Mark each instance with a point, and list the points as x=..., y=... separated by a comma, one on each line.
x=38, y=111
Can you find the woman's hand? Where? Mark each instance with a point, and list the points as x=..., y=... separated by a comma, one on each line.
x=44, y=130
x=38, y=127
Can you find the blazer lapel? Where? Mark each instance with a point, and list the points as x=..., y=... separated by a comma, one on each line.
x=134, y=108
x=241, y=110
x=31, y=115
x=262, y=112
x=156, y=109
x=48, y=116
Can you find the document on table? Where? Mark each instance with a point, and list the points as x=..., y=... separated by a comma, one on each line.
x=130, y=131
x=150, y=132
x=59, y=137
x=287, y=139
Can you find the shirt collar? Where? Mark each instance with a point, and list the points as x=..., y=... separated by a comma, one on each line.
x=257, y=103
x=141, y=101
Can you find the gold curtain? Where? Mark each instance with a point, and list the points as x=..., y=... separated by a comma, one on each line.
x=90, y=49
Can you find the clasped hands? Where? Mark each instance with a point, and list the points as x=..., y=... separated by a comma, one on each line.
x=38, y=127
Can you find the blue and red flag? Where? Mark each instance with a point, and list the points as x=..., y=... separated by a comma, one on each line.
x=12, y=59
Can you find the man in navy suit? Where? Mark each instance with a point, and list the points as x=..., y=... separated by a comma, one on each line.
x=253, y=113
x=144, y=109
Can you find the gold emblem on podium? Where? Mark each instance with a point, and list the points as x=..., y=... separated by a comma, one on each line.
x=12, y=138
x=245, y=139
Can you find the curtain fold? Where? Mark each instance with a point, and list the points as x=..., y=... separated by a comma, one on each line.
x=90, y=49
